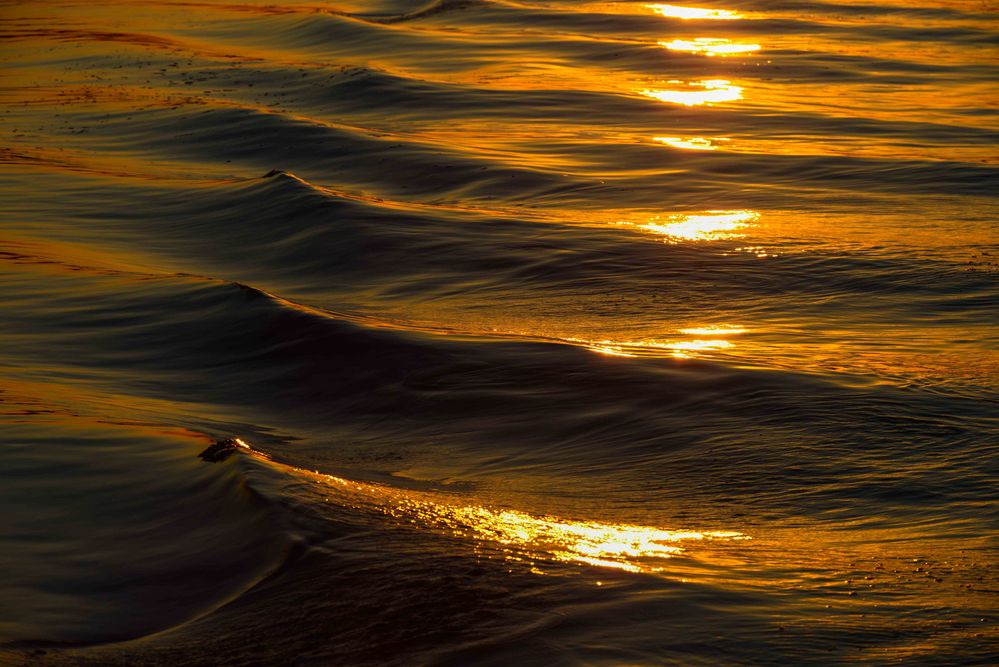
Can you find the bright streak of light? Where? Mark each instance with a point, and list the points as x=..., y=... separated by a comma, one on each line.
x=690, y=143
x=678, y=12
x=710, y=91
x=707, y=226
x=723, y=330
x=710, y=46
x=526, y=537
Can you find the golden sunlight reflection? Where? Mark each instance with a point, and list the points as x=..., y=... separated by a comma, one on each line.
x=678, y=12
x=524, y=536
x=688, y=349
x=611, y=350
x=697, y=345
x=683, y=349
x=708, y=91
x=625, y=547
x=720, y=330
x=690, y=143
x=707, y=226
x=710, y=46
x=703, y=339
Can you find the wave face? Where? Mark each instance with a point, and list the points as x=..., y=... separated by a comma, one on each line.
x=557, y=332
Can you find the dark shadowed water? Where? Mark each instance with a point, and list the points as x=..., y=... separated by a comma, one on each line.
x=557, y=332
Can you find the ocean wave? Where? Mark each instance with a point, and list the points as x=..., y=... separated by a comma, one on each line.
x=502, y=294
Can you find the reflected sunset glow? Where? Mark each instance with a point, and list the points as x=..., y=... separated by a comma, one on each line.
x=473, y=278
x=690, y=143
x=701, y=344
x=710, y=91
x=710, y=46
x=624, y=547
x=612, y=351
x=707, y=226
x=723, y=330
x=524, y=536
x=708, y=339
x=678, y=12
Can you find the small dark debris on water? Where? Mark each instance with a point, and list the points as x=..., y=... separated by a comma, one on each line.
x=220, y=450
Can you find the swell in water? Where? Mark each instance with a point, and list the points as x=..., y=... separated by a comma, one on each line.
x=560, y=332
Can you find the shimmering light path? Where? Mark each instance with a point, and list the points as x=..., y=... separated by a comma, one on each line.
x=620, y=546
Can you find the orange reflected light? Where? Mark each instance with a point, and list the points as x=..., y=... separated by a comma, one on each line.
x=619, y=546
x=698, y=345
x=677, y=12
x=611, y=350
x=723, y=330
x=687, y=349
x=525, y=536
x=690, y=143
x=710, y=91
x=707, y=226
x=677, y=348
x=710, y=46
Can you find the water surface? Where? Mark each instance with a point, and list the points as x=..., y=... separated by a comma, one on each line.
x=556, y=332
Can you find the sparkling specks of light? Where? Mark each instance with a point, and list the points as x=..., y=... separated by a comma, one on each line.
x=527, y=537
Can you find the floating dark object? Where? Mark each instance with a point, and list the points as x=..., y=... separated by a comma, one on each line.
x=220, y=450
x=273, y=172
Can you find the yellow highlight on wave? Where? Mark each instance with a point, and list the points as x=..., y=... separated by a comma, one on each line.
x=620, y=546
x=709, y=339
x=690, y=143
x=709, y=91
x=710, y=46
x=678, y=12
x=528, y=537
x=721, y=330
x=707, y=226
